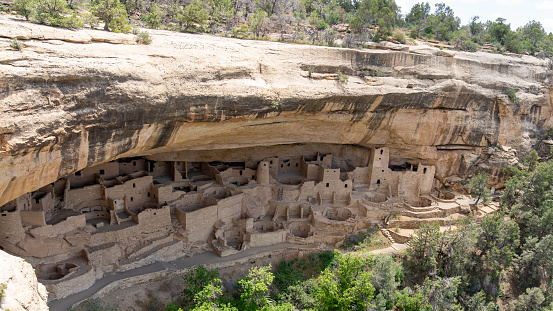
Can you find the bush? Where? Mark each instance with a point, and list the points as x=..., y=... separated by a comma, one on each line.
x=196, y=279
x=55, y=13
x=153, y=19
x=16, y=44
x=399, y=36
x=142, y=37
x=24, y=7
x=192, y=14
x=2, y=291
x=342, y=78
x=113, y=14
x=512, y=95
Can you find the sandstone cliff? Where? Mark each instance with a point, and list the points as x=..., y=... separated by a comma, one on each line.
x=22, y=290
x=73, y=99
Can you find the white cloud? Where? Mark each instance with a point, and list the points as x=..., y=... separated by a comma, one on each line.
x=544, y=5
x=509, y=2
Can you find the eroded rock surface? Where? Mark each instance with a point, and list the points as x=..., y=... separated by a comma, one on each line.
x=22, y=291
x=66, y=105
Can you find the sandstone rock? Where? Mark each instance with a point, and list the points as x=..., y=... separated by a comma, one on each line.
x=65, y=107
x=22, y=291
x=341, y=27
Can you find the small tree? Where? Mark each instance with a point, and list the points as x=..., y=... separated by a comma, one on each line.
x=220, y=11
x=54, y=13
x=531, y=160
x=192, y=14
x=196, y=280
x=255, y=286
x=24, y=7
x=153, y=19
x=258, y=23
x=113, y=14
x=478, y=188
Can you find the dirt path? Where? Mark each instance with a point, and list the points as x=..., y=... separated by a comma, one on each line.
x=201, y=259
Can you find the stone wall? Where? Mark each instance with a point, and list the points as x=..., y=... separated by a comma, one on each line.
x=70, y=224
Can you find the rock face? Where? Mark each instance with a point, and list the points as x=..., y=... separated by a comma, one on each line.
x=22, y=291
x=66, y=106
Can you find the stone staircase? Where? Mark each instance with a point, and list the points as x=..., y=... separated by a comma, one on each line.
x=385, y=232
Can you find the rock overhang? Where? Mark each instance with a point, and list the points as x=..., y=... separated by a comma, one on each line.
x=67, y=106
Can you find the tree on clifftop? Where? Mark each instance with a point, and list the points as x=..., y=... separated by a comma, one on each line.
x=113, y=14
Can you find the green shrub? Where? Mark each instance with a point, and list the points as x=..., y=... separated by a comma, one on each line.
x=113, y=14
x=55, y=13
x=399, y=36
x=414, y=33
x=142, y=37
x=196, y=279
x=549, y=133
x=512, y=95
x=193, y=14
x=24, y=7
x=342, y=78
x=3, y=288
x=154, y=17
x=16, y=44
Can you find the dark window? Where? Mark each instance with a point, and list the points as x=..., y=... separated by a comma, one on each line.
x=381, y=151
x=288, y=164
x=78, y=173
x=132, y=199
x=297, y=164
x=253, y=177
x=148, y=194
x=282, y=165
x=154, y=214
x=102, y=172
x=382, y=171
x=240, y=173
x=271, y=162
x=424, y=171
x=327, y=185
x=133, y=185
x=378, y=182
x=346, y=185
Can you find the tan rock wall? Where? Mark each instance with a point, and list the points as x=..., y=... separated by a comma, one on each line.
x=78, y=106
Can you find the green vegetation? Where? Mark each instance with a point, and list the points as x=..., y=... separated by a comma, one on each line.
x=478, y=188
x=512, y=94
x=302, y=21
x=3, y=288
x=366, y=241
x=112, y=13
x=193, y=15
x=142, y=37
x=16, y=44
x=342, y=78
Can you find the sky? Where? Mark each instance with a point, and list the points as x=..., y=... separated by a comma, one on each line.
x=516, y=12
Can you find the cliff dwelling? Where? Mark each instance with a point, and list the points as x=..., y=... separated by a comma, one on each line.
x=126, y=213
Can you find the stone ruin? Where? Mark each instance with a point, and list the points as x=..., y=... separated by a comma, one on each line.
x=128, y=213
